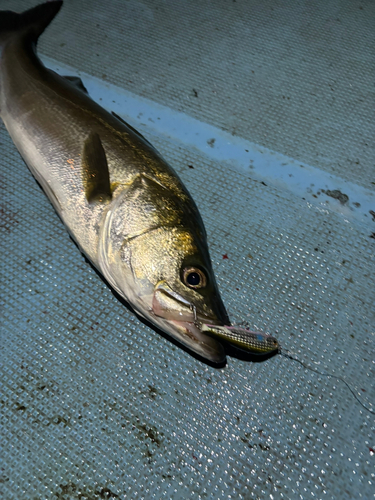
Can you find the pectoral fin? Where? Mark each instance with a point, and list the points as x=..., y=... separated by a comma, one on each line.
x=77, y=82
x=95, y=170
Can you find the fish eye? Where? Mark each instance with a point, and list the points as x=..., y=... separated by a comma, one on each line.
x=194, y=277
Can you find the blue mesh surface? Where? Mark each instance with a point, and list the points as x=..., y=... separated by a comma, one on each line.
x=94, y=403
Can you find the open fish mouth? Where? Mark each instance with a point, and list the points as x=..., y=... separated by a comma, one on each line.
x=180, y=318
x=191, y=335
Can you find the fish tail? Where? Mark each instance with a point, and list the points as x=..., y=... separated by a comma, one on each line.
x=30, y=23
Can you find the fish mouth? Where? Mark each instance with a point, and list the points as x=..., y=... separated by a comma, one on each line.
x=180, y=319
x=190, y=335
x=168, y=304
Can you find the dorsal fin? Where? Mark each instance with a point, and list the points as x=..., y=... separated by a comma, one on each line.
x=95, y=170
x=77, y=82
x=132, y=129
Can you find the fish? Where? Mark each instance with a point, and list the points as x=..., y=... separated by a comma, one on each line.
x=122, y=203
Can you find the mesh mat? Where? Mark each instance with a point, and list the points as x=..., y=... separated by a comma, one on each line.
x=95, y=404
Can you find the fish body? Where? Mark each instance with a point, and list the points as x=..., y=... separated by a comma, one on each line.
x=122, y=203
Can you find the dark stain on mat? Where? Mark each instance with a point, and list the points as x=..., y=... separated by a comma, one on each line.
x=7, y=218
x=337, y=195
x=149, y=432
x=152, y=392
x=71, y=491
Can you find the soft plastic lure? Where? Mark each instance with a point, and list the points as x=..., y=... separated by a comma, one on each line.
x=263, y=344
x=252, y=342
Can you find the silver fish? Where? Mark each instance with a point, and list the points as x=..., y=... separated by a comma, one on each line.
x=122, y=203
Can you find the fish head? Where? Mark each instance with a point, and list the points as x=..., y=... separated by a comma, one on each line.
x=166, y=275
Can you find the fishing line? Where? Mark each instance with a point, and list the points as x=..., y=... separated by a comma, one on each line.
x=288, y=354
x=259, y=343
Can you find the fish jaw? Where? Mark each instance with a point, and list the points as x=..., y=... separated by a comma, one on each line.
x=186, y=331
x=185, y=328
x=190, y=335
x=182, y=320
